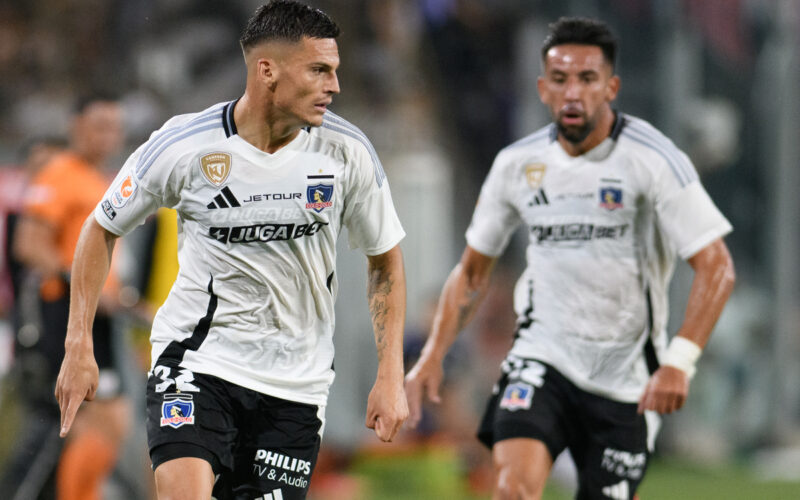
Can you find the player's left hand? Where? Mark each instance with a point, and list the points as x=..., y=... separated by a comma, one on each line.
x=666, y=391
x=387, y=408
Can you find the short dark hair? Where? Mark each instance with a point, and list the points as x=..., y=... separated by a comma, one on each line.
x=582, y=31
x=286, y=20
x=83, y=101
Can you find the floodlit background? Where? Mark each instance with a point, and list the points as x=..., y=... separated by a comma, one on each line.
x=439, y=86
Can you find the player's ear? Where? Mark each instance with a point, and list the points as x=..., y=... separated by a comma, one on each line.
x=612, y=89
x=542, y=88
x=266, y=70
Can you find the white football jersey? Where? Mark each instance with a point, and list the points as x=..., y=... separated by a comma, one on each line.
x=604, y=229
x=253, y=302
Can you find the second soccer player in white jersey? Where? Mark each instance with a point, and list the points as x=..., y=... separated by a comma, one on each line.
x=608, y=203
x=242, y=354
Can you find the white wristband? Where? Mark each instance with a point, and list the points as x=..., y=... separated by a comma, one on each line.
x=682, y=353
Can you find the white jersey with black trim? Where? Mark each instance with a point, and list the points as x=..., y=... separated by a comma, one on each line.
x=604, y=230
x=253, y=302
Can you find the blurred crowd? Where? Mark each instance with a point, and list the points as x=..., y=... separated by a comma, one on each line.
x=439, y=86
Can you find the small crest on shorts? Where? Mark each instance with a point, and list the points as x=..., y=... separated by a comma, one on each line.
x=534, y=173
x=177, y=410
x=216, y=167
x=517, y=396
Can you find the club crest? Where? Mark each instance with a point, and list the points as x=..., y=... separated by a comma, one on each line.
x=517, y=396
x=319, y=197
x=216, y=167
x=177, y=410
x=534, y=173
x=610, y=198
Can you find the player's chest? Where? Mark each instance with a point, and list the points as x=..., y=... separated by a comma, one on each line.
x=587, y=190
x=226, y=188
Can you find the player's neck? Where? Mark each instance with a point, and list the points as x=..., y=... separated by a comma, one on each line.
x=260, y=127
x=599, y=134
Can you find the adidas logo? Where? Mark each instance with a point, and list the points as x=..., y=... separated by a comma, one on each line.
x=619, y=491
x=539, y=199
x=225, y=199
x=275, y=495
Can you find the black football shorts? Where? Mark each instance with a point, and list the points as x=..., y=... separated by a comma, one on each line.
x=259, y=446
x=607, y=439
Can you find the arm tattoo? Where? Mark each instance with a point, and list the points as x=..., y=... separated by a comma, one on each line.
x=465, y=309
x=379, y=287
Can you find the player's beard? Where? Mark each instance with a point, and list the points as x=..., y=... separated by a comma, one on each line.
x=576, y=133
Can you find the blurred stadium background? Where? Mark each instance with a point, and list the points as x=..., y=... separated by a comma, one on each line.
x=440, y=86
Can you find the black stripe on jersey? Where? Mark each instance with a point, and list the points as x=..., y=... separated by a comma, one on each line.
x=319, y=176
x=226, y=191
x=649, y=349
x=619, y=123
x=220, y=201
x=526, y=318
x=173, y=354
x=227, y=119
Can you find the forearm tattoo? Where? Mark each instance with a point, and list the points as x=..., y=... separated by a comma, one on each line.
x=378, y=289
x=465, y=308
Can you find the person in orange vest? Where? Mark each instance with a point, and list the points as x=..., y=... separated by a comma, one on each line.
x=56, y=203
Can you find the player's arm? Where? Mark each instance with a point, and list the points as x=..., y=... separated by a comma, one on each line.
x=78, y=377
x=462, y=293
x=712, y=285
x=387, y=408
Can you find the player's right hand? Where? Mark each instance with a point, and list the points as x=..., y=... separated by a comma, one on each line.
x=425, y=376
x=77, y=381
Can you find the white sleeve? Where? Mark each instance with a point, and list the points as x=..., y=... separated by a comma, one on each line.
x=686, y=214
x=369, y=214
x=136, y=192
x=495, y=218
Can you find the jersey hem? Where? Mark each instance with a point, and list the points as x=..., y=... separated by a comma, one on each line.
x=263, y=388
x=105, y=223
x=700, y=243
x=384, y=248
x=485, y=250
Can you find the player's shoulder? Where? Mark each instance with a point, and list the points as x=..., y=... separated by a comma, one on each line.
x=532, y=147
x=637, y=133
x=539, y=139
x=337, y=130
x=640, y=139
x=184, y=133
x=213, y=115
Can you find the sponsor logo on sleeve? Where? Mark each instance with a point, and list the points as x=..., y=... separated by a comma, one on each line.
x=177, y=410
x=517, y=396
x=108, y=209
x=123, y=191
x=216, y=167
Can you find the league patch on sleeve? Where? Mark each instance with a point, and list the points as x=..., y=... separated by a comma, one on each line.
x=123, y=192
x=517, y=396
x=108, y=209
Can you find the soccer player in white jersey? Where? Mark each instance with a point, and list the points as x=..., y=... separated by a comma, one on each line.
x=608, y=202
x=242, y=354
